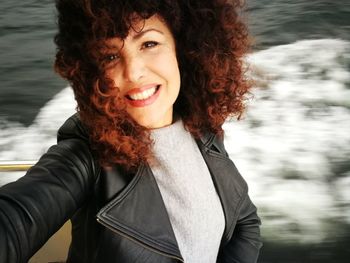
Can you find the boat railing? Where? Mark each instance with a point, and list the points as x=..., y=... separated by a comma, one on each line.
x=15, y=166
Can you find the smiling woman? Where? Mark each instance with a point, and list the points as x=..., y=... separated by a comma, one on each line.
x=141, y=169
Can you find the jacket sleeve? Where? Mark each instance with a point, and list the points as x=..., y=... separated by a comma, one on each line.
x=245, y=243
x=37, y=205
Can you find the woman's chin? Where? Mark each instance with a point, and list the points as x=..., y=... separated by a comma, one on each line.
x=153, y=123
x=153, y=118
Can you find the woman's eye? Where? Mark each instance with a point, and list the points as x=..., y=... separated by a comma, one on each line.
x=149, y=44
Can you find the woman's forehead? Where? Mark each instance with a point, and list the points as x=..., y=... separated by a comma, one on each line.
x=142, y=27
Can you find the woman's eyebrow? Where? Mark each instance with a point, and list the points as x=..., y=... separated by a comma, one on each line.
x=112, y=45
x=140, y=34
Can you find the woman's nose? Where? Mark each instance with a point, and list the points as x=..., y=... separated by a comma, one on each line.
x=134, y=69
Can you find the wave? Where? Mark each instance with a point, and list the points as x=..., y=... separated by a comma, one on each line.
x=29, y=143
x=293, y=146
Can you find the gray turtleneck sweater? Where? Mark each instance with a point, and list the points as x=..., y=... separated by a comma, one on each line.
x=189, y=194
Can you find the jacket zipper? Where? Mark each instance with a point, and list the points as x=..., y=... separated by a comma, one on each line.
x=138, y=242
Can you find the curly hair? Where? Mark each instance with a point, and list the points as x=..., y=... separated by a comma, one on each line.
x=211, y=41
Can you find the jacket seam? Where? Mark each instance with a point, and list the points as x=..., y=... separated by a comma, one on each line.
x=139, y=235
x=218, y=155
x=242, y=198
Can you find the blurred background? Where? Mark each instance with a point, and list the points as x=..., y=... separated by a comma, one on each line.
x=293, y=145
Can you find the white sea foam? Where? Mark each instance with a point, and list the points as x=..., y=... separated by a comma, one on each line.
x=292, y=146
x=20, y=143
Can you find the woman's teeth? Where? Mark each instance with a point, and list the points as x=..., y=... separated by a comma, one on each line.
x=143, y=95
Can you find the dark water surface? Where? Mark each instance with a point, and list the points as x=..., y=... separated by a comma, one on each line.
x=276, y=22
x=27, y=53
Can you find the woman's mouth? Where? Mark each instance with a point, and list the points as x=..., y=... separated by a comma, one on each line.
x=143, y=96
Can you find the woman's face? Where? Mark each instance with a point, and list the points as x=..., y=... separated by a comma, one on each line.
x=144, y=67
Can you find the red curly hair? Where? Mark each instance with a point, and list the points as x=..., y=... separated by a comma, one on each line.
x=211, y=41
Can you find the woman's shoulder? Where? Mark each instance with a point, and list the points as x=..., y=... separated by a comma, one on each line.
x=72, y=128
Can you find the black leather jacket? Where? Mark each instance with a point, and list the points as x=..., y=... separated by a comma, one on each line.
x=116, y=217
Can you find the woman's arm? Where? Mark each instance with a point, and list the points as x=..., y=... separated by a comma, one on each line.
x=245, y=243
x=37, y=205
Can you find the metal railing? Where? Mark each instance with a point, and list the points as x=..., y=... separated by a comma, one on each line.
x=15, y=166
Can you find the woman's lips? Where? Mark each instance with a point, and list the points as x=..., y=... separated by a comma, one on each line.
x=143, y=96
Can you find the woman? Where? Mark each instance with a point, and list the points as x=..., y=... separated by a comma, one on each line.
x=141, y=169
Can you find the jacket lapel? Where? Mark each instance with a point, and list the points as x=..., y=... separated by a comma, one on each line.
x=147, y=223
